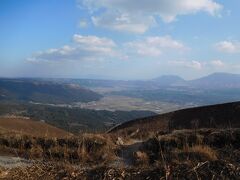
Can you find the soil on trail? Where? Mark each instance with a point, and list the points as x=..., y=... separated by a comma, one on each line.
x=126, y=152
x=14, y=162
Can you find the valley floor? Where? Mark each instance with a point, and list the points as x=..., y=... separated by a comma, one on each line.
x=124, y=103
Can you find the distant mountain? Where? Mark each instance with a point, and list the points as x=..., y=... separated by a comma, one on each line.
x=217, y=80
x=212, y=81
x=220, y=87
x=162, y=81
x=169, y=80
x=26, y=90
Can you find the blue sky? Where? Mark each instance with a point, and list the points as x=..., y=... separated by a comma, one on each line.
x=120, y=39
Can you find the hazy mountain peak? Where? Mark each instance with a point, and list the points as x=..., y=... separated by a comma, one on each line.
x=169, y=80
x=222, y=74
x=169, y=77
x=217, y=80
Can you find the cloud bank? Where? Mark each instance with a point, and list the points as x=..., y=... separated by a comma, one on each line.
x=94, y=48
x=138, y=16
x=84, y=48
x=154, y=46
x=228, y=47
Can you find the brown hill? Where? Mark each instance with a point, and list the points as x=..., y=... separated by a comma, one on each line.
x=26, y=126
x=214, y=116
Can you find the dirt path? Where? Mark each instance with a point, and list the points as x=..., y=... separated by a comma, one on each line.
x=127, y=151
x=12, y=162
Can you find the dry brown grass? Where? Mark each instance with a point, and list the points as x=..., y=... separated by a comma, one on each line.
x=167, y=138
x=203, y=151
x=141, y=158
x=176, y=156
x=87, y=148
x=25, y=126
x=97, y=147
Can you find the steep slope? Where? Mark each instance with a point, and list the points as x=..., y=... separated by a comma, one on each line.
x=26, y=126
x=43, y=91
x=214, y=116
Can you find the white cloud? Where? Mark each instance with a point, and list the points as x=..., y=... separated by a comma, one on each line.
x=138, y=16
x=188, y=64
x=84, y=48
x=199, y=65
x=83, y=23
x=217, y=63
x=93, y=41
x=93, y=48
x=154, y=46
x=228, y=46
x=124, y=22
x=195, y=65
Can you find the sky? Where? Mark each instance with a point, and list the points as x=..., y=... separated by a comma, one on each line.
x=118, y=39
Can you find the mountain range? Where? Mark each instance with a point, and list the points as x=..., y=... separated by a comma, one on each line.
x=212, y=81
x=67, y=91
x=217, y=80
x=43, y=91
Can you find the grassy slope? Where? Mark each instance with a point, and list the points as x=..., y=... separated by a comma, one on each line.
x=214, y=116
x=72, y=119
x=24, y=126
